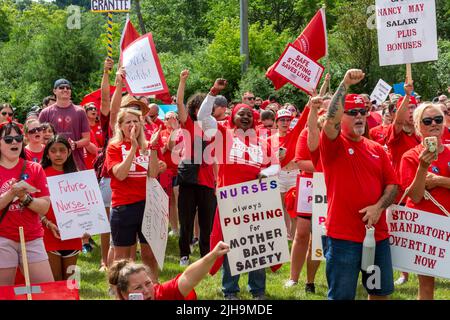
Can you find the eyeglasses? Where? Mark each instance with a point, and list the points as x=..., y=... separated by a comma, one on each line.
x=249, y=98
x=428, y=121
x=354, y=112
x=4, y=113
x=91, y=109
x=64, y=87
x=35, y=130
x=10, y=139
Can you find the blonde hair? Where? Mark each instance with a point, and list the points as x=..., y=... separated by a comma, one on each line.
x=118, y=134
x=120, y=272
x=419, y=111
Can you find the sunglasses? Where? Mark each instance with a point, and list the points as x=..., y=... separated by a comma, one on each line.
x=64, y=87
x=428, y=121
x=354, y=112
x=35, y=130
x=250, y=98
x=10, y=139
x=4, y=113
x=91, y=108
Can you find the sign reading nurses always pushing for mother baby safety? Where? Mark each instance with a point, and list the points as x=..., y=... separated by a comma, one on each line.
x=251, y=216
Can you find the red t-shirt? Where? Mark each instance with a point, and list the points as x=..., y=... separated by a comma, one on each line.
x=356, y=175
x=302, y=152
x=132, y=188
x=398, y=144
x=205, y=173
x=98, y=134
x=241, y=158
x=17, y=216
x=50, y=242
x=89, y=157
x=446, y=136
x=440, y=167
x=379, y=134
x=149, y=128
x=169, y=291
x=226, y=122
x=373, y=119
x=34, y=156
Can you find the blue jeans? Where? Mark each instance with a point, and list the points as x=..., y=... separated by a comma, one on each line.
x=344, y=264
x=230, y=284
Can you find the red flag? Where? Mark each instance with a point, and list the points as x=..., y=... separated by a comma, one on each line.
x=96, y=97
x=312, y=42
x=129, y=34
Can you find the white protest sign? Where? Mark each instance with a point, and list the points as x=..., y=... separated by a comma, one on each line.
x=381, y=92
x=299, y=69
x=304, y=194
x=419, y=241
x=251, y=216
x=144, y=74
x=319, y=215
x=78, y=205
x=110, y=5
x=406, y=31
x=155, y=224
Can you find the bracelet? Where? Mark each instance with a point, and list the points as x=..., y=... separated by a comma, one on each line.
x=27, y=201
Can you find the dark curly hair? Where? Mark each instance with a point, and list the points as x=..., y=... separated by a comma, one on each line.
x=194, y=104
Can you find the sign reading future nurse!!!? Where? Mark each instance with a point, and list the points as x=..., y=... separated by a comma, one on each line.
x=420, y=241
x=144, y=75
x=299, y=69
x=406, y=31
x=155, y=223
x=251, y=216
x=110, y=5
x=78, y=204
x=319, y=215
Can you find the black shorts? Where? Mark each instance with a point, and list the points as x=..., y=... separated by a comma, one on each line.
x=65, y=253
x=126, y=224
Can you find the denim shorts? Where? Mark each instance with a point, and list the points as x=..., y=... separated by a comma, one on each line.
x=344, y=265
x=126, y=224
x=105, y=189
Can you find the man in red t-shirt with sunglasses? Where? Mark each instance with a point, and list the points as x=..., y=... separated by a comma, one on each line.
x=361, y=184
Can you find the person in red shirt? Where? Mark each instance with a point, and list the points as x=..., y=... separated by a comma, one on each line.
x=152, y=122
x=241, y=156
x=62, y=255
x=379, y=133
x=446, y=110
x=422, y=173
x=129, y=165
x=374, y=118
x=34, y=149
x=24, y=198
x=267, y=126
x=361, y=184
x=127, y=277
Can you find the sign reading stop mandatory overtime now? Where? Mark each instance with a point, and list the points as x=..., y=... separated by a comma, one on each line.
x=406, y=31
x=299, y=69
x=252, y=221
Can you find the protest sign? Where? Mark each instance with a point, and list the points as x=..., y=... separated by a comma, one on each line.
x=299, y=69
x=144, y=74
x=419, y=241
x=251, y=216
x=304, y=194
x=111, y=5
x=319, y=215
x=156, y=219
x=381, y=92
x=77, y=204
x=406, y=31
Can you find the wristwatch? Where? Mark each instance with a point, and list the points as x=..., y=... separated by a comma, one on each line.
x=28, y=199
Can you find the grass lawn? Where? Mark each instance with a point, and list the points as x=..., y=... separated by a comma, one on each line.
x=94, y=283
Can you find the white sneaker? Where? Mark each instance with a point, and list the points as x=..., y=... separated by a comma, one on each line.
x=400, y=281
x=173, y=233
x=184, y=261
x=290, y=283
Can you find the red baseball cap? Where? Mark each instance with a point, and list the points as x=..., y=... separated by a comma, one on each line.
x=354, y=101
x=412, y=100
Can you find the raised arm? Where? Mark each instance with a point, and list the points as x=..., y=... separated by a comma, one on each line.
x=105, y=92
x=117, y=97
x=402, y=114
x=325, y=85
x=313, y=127
x=332, y=126
x=205, y=112
x=182, y=113
x=199, y=269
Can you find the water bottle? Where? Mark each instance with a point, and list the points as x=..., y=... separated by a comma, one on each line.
x=368, y=250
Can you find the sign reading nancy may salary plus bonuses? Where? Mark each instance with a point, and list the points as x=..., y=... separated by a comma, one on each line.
x=252, y=221
x=406, y=31
x=299, y=69
x=78, y=204
x=420, y=241
x=110, y=5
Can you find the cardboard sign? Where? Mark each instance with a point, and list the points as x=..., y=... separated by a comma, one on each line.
x=304, y=194
x=155, y=224
x=406, y=31
x=78, y=205
x=319, y=215
x=299, y=69
x=381, y=92
x=144, y=74
x=251, y=216
x=110, y=5
x=420, y=241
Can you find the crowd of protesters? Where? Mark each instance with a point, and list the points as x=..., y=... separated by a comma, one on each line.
x=371, y=155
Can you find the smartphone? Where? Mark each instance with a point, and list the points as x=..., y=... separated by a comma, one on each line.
x=136, y=296
x=431, y=144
